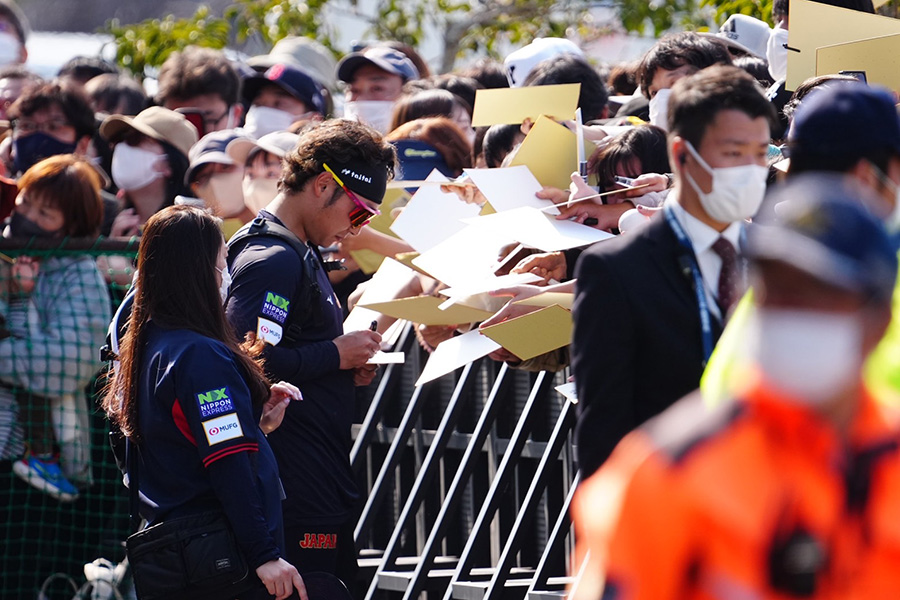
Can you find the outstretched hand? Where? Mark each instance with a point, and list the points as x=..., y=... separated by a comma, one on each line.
x=280, y=396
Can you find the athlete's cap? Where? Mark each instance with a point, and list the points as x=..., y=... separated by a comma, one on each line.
x=161, y=124
x=846, y=118
x=383, y=57
x=278, y=143
x=210, y=149
x=294, y=81
x=521, y=62
x=825, y=229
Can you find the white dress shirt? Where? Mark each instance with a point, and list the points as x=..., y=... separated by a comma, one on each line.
x=702, y=237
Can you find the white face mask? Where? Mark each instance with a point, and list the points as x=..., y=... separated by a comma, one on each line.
x=225, y=286
x=659, y=108
x=374, y=113
x=736, y=192
x=777, y=54
x=810, y=355
x=134, y=168
x=224, y=194
x=262, y=120
x=259, y=192
x=10, y=49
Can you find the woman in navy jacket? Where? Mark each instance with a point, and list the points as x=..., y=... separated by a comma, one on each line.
x=193, y=402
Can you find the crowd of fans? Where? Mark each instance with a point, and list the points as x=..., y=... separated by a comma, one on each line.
x=701, y=124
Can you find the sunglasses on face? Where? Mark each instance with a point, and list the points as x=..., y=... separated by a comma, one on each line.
x=361, y=213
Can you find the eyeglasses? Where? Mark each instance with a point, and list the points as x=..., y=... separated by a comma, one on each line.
x=54, y=126
x=362, y=213
x=202, y=120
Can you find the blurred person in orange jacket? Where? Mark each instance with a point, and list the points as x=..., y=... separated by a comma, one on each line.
x=792, y=489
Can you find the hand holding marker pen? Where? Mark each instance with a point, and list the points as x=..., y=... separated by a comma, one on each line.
x=579, y=135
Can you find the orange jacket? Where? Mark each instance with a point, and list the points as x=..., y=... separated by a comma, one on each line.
x=697, y=504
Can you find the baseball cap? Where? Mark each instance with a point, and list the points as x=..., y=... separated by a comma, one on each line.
x=295, y=82
x=745, y=34
x=161, y=124
x=301, y=52
x=278, y=143
x=520, y=63
x=210, y=149
x=824, y=229
x=383, y=57
x=418, y=159
x=846, y=118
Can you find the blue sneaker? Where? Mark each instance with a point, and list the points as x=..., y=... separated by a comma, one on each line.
x=46, y=476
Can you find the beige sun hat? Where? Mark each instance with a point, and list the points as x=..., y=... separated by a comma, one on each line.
x=161, y=124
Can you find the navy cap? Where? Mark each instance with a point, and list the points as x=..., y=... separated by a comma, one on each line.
x=846, y=118
x=418, y=159
x=210, y=149
x=292, y=80
x=825, y=230
x=383, y=57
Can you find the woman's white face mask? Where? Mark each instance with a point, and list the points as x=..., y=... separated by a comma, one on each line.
x=259, y=192
x=262, y=120
x=223, y=193
x=134, y=167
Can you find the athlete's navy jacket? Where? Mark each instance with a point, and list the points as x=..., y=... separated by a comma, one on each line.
x=201, y=443
x=313, y=443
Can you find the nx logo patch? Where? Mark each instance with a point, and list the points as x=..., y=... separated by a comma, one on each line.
x=276, y=307
x=221, y=429
x=214, y=402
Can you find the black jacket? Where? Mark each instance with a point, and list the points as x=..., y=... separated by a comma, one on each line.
x=637, y=344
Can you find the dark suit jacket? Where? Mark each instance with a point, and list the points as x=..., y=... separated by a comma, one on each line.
x=637, y=345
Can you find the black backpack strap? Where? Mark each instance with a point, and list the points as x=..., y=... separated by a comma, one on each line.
x=310, y=294
x=265, y=227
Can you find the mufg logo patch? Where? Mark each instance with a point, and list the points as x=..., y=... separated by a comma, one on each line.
x=276, y=307
x=215, y=402
x=221, y=429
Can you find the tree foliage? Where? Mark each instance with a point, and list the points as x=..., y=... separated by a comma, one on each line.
x=478, y=26
x=466, y=26
x=150, y=42
x=481, y=26
x=272, y=20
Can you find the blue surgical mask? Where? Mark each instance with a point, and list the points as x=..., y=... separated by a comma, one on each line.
x=31, y=149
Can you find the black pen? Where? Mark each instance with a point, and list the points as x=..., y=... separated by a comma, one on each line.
x=373, y=326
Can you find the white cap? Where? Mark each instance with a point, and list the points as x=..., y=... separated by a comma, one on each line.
x=520, y=63
x=746, y=34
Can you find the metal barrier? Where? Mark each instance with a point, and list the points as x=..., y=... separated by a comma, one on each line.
x=467, y=484
x=476, y=512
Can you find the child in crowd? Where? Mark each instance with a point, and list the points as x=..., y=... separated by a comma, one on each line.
x=56, y=311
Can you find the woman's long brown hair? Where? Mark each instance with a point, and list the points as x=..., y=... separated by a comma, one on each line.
x=177, y=289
